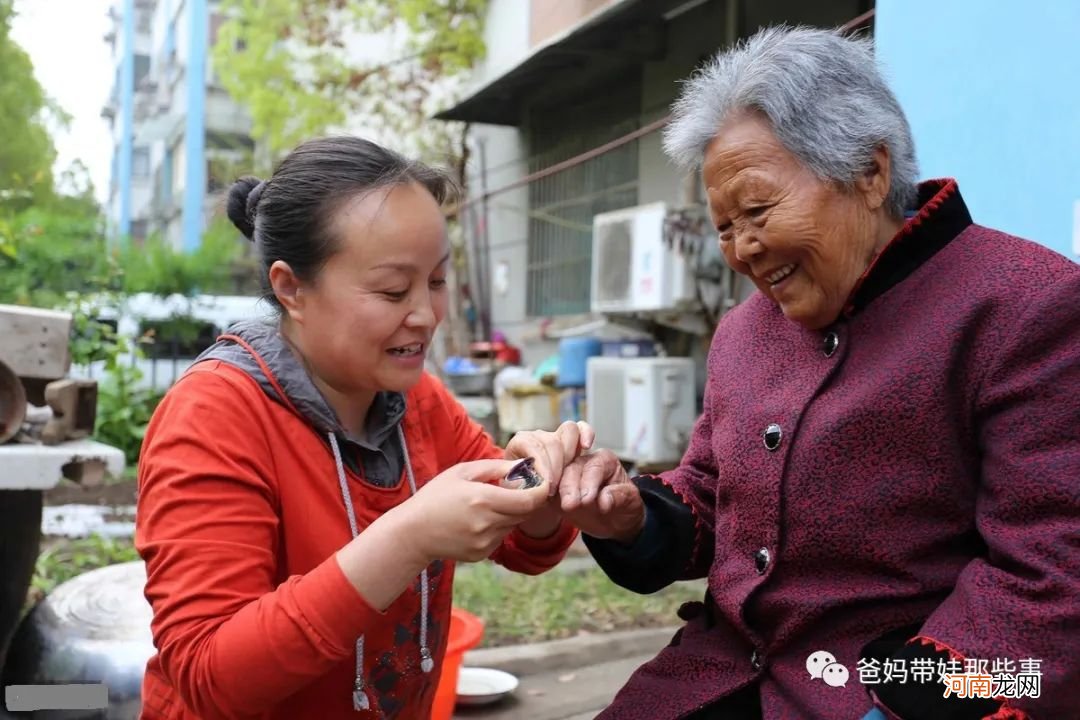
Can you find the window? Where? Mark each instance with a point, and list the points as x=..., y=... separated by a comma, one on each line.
x=114, y=172
x=142, y=67
x=562, y=205
x=170, y=44
x=144, y=18
x=139, y=230
x=167, y=177
x=140, y=162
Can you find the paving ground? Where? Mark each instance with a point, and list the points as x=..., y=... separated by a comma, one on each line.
x=570, y=679
x=569, y=694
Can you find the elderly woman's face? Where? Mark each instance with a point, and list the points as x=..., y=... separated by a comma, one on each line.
x=803, y=242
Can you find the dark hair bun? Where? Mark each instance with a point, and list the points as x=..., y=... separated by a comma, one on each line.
x=243, y=200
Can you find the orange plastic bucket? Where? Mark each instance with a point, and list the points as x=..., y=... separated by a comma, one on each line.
x=466, y=631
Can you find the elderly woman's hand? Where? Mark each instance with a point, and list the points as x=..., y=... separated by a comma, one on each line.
x=552, y=452
x=599, y=498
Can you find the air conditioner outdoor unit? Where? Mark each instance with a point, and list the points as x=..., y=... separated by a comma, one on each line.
x=633, y=269
x=643, y=409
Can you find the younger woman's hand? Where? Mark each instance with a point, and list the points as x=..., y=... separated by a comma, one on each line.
x=552, y=451
x=463, y=514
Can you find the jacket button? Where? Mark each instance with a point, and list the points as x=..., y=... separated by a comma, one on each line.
x=761, y=560
x=772, y=436
x=830, y=343
x=755, y=660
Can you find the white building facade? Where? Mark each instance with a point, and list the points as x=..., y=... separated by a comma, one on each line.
x=565, y=113
x=177, y=135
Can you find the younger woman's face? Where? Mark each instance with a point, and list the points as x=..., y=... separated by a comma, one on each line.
x=366, y=322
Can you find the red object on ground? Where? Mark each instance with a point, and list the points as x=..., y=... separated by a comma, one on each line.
x=466, y=631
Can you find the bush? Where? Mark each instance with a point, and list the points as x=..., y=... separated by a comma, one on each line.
x=56, y=256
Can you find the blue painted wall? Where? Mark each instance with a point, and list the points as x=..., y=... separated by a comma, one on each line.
x=992, y=91
x=195, y=127
x=127, y=118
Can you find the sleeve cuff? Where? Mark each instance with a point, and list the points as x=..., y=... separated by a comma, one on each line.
x=536, y=555
x=908, y=700
x=644, y=548
x=663, y=551
x=335, y=610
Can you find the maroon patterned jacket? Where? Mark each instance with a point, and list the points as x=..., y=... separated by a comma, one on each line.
x=904, y=485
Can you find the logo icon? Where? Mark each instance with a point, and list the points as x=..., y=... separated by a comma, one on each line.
x=822, y=666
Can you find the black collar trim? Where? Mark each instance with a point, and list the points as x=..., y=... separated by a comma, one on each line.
x=942, y=215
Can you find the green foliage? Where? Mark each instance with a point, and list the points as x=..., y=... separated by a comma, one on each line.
x=124, y=406
x=562, y=602
x=124, y=410
x=288, y=62
x=49, y=251
x=26, y=151
x=64, y=559
x=156, y=267
x=55, y=255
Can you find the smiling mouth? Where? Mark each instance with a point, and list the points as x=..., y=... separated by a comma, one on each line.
x=407, y=350
x=779, y=275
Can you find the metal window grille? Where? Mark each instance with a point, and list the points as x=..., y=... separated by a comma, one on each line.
x=561, y=210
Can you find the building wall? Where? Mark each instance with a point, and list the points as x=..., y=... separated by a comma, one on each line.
x=691, y=38
x=160, y=146
x=123, y=109
x=694, y=33
x=506, y=41
x=550, y=18
x=991, y=93
x=505, y=152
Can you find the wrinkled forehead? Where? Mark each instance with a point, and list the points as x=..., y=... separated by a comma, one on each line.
x=746, y=159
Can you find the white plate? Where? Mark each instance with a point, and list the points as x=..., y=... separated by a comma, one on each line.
x=483, y=686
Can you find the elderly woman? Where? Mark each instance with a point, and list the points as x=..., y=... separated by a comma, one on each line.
x=884, y=485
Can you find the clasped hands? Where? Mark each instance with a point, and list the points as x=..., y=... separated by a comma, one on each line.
x=463, y=513
x=589, y=489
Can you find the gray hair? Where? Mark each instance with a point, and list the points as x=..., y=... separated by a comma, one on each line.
x=821, y=92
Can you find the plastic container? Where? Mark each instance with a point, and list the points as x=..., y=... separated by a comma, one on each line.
x=533, y=407
x=466, y=631
x=574, y=353
x=629, y=348
x=480, y=382
x=572, y=407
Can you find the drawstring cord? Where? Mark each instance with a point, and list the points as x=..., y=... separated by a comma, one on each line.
x=427, y=663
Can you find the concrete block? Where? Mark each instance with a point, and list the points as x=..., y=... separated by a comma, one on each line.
x=34, y=342
x=74, y=406
x=41, y=467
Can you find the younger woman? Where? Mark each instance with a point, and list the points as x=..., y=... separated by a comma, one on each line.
x=305, y=488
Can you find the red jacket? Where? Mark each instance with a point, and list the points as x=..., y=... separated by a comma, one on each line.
x=239, y=515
